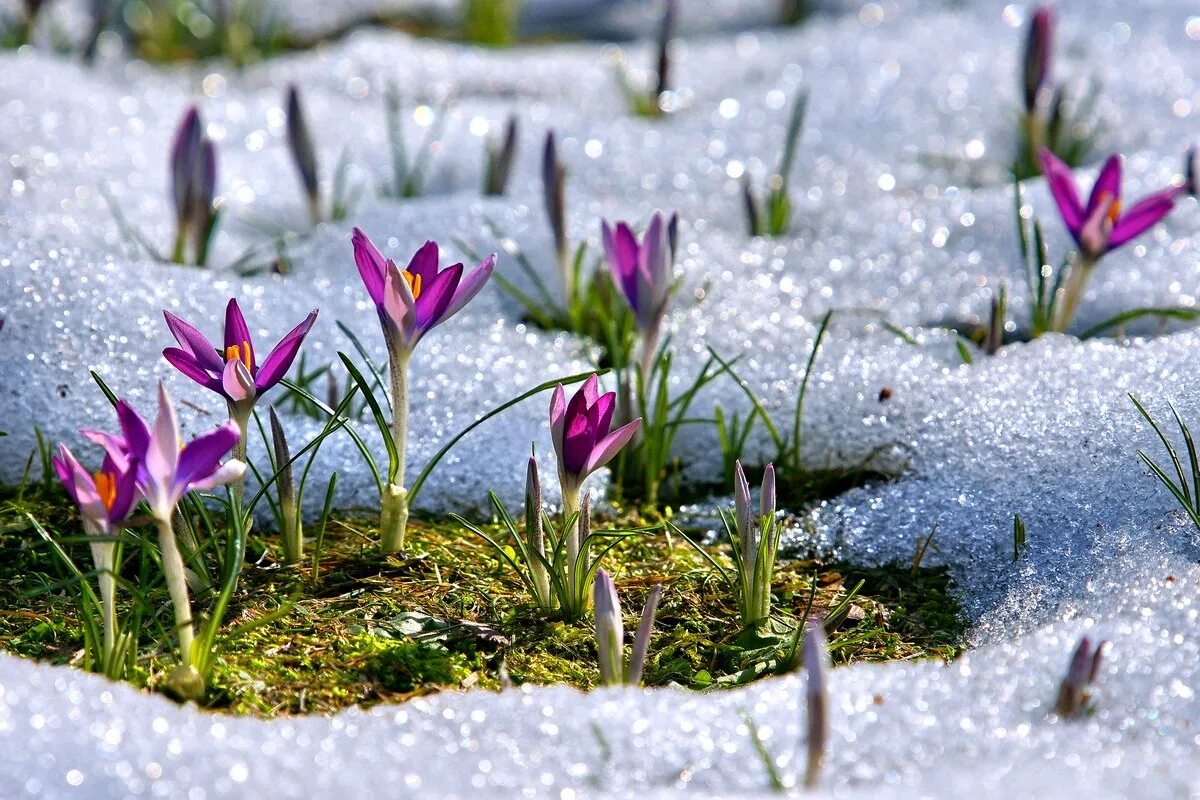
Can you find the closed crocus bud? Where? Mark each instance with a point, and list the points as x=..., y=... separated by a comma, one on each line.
x=1075, y=690
x=184, y=154
x=641, y=645
x=1191, y=171
x=816, y=698
x=610, y=635
x=500, y=159
x=1038, y=47
x=554, y=176
x=767, y=498
x=743, y=514
x=535, y=534
x=304, y=155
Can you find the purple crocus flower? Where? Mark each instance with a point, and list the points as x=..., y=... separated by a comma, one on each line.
x=1101, y=225
x=233, y=372
x=643, y=271
x=416, y=299
x=167, y=468
x=580, y=430
x=105, y=497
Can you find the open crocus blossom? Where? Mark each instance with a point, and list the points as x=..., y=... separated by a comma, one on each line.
x=583, y=442
x=167, y=469
x=1100, y=226
x=410, y=302
x=105, y=499
x=414, y=300
x=233, y=371
x=644, y=273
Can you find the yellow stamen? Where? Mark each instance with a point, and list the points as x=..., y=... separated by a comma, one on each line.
x=240, y=352
x=1114, y=210
x=414, y=283
x=106, y=487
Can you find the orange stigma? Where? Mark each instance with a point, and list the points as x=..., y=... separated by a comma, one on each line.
x=1114, y=210
x=240, y=352
x=106, y=487
x=414, y=283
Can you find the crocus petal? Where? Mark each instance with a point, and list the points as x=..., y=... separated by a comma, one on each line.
x=425, y=263
x=66, y=466
x=398, y=301
x=1062, y=186
x=227, y=473
x=601, y=412
x=591, y=389
x=558, y=415
x=626, y=247
x=187, y=364
x=469, y=286
x=1142, y=216
x=1108, y=184
x=435, y=297
x=610, y=633
x=127, y=492
x=161, y=456
x=1097, y=229
x=194, y=342
x=237, y=333
x=610, y=445
x=371, y=265
x=279, y=360
x=237, y=383
x=578, y=441
x=133, y=428
x=115, y=447
x=201, y=458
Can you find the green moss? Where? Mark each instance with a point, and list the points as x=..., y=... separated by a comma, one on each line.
x=353, y=627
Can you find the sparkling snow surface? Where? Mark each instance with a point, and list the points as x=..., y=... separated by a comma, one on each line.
x=881, y=228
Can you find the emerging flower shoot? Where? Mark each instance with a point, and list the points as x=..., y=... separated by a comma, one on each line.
x=499, y=158
x=610, y=634
x=773, y=218
x=303, y=152
x=193, y=182
x=1075, y=691
x=816, y=700
x=652, y=101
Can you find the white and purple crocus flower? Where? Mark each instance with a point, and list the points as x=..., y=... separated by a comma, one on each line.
x=1100, y=226
x=583, y=443
x=410, y=302
x=168, y=468
x=644, y=272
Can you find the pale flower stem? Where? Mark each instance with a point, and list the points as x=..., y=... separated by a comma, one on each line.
x=241, y=418
x=393, y=520
x=570, y=498
x=102, y=555
x=1077, y=280
x=177, y=587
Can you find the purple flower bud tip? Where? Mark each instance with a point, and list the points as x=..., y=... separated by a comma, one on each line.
x=1038, y=50
x=767, y=500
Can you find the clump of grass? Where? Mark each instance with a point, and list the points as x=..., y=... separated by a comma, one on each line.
x=351, y=627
